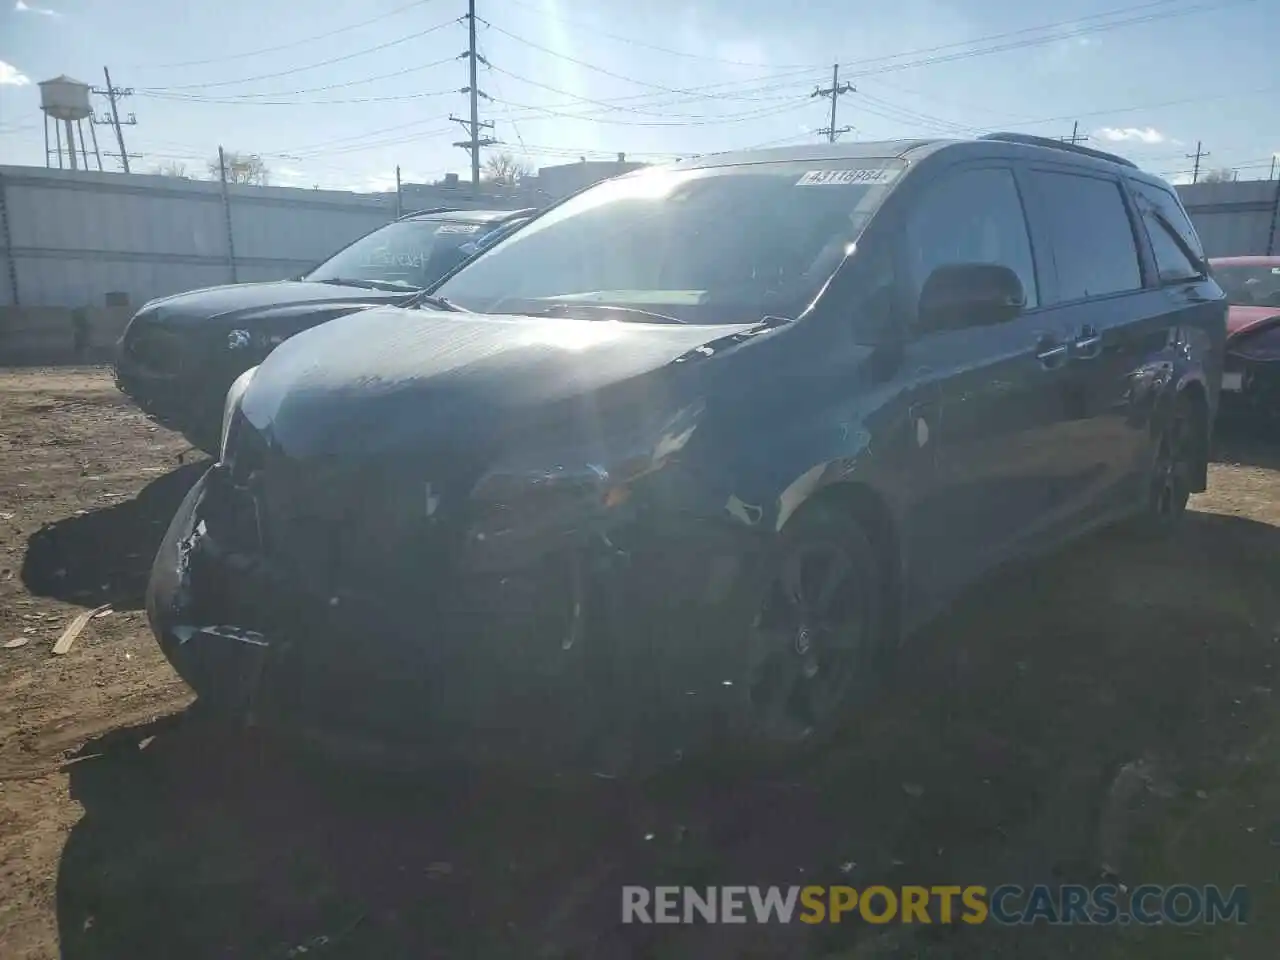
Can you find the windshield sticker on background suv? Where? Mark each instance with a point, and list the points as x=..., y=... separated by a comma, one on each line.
x=458, y=228
x=815, y=178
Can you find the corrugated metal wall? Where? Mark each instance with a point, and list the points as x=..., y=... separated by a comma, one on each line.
x=1235, y=219
x=68, y=238
x=74, y=237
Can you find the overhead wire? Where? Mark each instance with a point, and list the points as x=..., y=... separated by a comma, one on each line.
x=311, y=66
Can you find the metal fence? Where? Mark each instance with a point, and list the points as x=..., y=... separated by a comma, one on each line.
x=1235, y=219
x=70, y=238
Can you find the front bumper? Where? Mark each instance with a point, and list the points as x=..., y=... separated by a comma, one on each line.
x=549, y=661
x=173, y=385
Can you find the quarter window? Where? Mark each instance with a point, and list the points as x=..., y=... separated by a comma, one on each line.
x=1173, y=239
x=974, y=216
x=1091, y=234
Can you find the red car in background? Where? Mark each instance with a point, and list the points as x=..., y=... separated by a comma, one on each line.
x=1251, y=373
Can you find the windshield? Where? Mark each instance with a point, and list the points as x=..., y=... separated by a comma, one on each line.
x=408, y=253
x=716, y=245
x=1250, y=286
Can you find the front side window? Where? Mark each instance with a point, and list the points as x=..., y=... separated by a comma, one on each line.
x=974, y=216
x=1174, y=242
x=1091, y=234
x=409, y=254
x=714, y=245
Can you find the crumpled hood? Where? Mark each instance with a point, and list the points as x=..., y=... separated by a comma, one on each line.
x=239, y=301
x=387, y=376
x=1243, y=319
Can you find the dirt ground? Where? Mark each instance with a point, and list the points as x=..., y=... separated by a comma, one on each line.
x=1112, y=708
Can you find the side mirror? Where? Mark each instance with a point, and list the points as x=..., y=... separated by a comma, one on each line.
x=958, y=295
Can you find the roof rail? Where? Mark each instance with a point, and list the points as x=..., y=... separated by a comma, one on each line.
x=1033, y=141
x=429, y=210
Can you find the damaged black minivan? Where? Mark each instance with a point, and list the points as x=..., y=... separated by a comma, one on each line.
x=681, y=461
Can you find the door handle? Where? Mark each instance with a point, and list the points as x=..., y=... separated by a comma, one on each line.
x=1051, y=356
x=1089, y=344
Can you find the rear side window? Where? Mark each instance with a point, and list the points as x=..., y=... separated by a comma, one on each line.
x=1179, y=256
x=974, y=216
x=1092, y=237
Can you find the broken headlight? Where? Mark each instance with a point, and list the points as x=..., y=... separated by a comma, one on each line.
x=234, y=395
x=545, y=492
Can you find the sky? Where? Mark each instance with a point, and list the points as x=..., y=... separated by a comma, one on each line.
x=338, y=96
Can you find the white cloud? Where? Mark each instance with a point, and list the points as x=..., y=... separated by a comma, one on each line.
x=1131, y=135
x=23, y=7
x=12, y=76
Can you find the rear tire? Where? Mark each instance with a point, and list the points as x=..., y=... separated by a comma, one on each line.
x=1178, y=450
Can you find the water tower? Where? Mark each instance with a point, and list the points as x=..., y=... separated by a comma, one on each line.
x=67, y=100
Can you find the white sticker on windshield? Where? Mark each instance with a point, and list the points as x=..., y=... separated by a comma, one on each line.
x=845, y=177
x=458, y=228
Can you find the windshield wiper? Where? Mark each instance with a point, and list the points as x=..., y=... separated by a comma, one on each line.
x=437, y=303
x=391, y=285
x=566, y=309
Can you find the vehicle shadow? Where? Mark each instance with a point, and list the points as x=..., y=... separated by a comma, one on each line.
x=1247, y=440
x=105, y=555
x=990, y=755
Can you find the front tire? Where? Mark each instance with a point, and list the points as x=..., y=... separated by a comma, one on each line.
x=814, y=643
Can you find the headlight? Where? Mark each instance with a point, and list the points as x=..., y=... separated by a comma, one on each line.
x=234, y=395
x=543, y=490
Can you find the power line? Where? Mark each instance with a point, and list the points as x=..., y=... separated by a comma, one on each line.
x=283, y=46
x=754, y=114
x=310, y=66
x=249, y=97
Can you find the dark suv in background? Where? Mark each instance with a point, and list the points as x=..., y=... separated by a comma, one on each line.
x=179, y=354
x=687, y=455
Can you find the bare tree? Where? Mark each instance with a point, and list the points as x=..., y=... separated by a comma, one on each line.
x=173, y=168
x=505, y=170
x=1221, y=175
x=241, y=168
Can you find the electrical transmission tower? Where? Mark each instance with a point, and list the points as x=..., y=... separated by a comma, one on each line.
x=112, y=119
x=474, y=126
x=1076, y=135
x=1199, y=155
x=835, y=91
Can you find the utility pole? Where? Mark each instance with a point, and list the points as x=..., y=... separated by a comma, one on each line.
x=113, y=94
x=834, y=92
x=399, y=201
x=1272, y=174
x=1199, y=155
x=1076, y=135
x=474, y=141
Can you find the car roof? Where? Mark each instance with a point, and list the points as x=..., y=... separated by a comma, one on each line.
x=1252, y=261
x=469, y=216
x=913, y=150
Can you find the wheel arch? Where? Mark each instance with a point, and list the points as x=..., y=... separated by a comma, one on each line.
x=863, y=503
